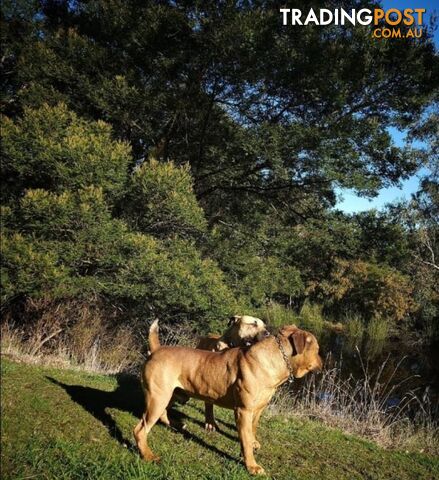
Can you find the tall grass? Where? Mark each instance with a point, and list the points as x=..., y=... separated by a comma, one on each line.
x=354, y=327
x=310, y=316
x=377, y=329
x=91, y=348
x=276, y=315
x=365, y=407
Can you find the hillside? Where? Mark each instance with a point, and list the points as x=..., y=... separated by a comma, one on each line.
x=67, y=424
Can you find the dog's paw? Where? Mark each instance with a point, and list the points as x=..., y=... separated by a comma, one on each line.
x=210, y=427
x=151, y=458
x=256, y=445
x=255, y=470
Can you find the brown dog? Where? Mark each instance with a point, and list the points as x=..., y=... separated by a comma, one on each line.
x=243, y=331
x=239, y=379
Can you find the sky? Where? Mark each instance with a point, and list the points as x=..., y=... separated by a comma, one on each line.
x=348, y=201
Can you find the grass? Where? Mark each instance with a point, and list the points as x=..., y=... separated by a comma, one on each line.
x=64, y=424
x=378, y=329
x=354, y=327
x=310, y=316
x=367, y=407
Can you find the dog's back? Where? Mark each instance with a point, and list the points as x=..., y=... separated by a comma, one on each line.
x=209, y=342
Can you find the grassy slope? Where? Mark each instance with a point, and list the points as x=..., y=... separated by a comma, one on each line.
x=64, y=424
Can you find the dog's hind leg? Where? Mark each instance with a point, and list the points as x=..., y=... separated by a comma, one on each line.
x=164, y=418
x=155, y=406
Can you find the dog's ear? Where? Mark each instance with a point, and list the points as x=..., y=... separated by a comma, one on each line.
x=297, y=337
x=287, y=330
x=298, y=340
x=233, y=320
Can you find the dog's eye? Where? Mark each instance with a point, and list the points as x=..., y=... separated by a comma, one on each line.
x=255, y=324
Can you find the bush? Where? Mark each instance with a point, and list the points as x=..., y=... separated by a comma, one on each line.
x=30, y=268
x=371, y=289
x=54, y=149
x=64, y=241
x=161, y=201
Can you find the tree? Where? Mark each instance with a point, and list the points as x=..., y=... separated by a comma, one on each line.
x=161, y=201
x=253, y=106
x=66, y=236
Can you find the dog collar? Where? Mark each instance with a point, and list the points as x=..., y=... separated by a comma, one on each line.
x=286, y=360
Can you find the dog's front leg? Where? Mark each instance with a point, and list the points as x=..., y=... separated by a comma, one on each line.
x=256, y=416
x=244, y=422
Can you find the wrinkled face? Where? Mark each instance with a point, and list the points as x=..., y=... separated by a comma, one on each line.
x=247, y=330
x=305, y=357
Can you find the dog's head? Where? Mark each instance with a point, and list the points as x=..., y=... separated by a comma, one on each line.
x=305, y=350
x=245, y=330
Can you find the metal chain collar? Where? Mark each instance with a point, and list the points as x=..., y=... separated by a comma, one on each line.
x=286, y=359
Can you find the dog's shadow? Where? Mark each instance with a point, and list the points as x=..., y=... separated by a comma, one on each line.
x=128, y=397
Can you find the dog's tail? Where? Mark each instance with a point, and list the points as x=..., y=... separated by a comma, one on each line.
x=153, y=337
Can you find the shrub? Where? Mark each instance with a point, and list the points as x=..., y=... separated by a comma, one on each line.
x=54, y=149
x=161, y=201
x=370, y=289
x=30, y=268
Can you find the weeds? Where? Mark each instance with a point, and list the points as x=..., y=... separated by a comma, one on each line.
x=378, y=329
x=354, y=327
x=366, y=407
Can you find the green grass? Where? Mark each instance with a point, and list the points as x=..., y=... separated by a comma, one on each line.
x=354, y=327
x=378, y=329
x=60, y=424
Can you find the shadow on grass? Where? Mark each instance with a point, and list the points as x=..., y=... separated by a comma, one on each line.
x=231, y=426
x=128, y=396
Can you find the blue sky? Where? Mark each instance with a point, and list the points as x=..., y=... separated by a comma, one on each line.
x=349, y=202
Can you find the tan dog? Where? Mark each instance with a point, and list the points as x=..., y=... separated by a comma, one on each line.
x=240, y=379
x=243, y=331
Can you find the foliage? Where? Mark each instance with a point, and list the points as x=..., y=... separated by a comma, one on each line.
x=29, y=268
x=255, y=108
x=377, y=329
x=372, y=289
x=182, y=159
x=54, y=149
x=354, y=326
x=65, y=241
x=161, y=200
x=253, y=265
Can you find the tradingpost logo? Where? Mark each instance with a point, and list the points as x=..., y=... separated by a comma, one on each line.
x=390, y=23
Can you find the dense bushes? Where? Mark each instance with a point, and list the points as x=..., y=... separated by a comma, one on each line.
x=80, y=223
x=370, y=289
x=67, y=239
x=54, y=149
